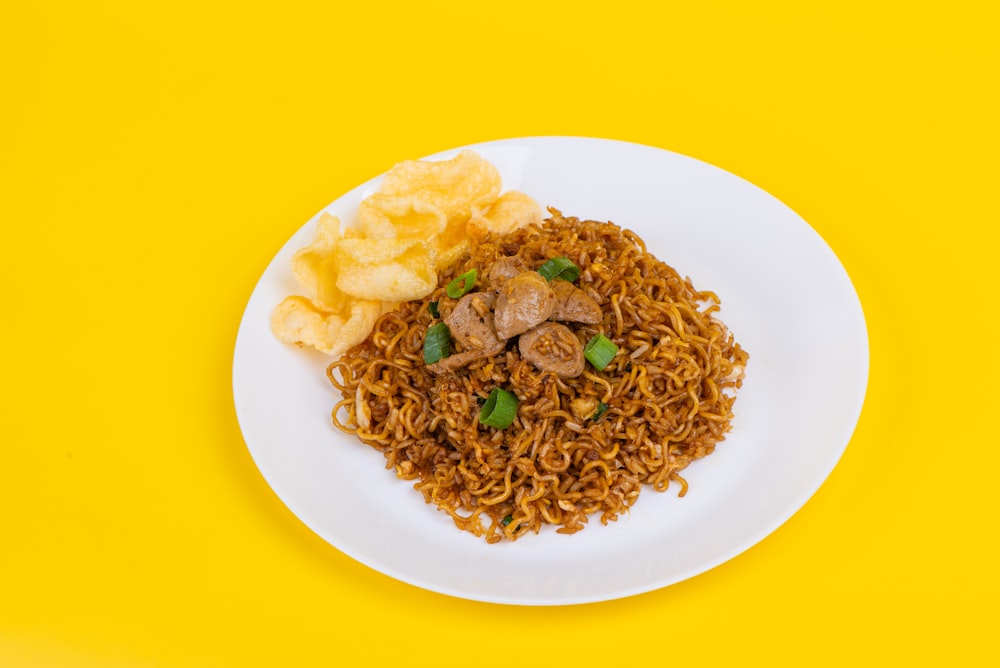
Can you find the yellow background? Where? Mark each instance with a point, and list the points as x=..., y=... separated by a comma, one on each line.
x=154, y=157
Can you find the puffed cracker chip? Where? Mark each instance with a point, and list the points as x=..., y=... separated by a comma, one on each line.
x=514, y=209
x=457, y=186
x=444, y=255
x=315, y=265
x=403, y=217
x=390, y=270
x=301, y=321
x=362, y=250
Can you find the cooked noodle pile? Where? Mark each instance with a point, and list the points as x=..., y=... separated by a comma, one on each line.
x=668, y=392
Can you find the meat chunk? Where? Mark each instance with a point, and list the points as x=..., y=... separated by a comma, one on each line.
x=458, y=360
x=574, y=305
x=523, y=302
x=504, y=269
x=553, y=347
x=470, y=324
x=471, y=321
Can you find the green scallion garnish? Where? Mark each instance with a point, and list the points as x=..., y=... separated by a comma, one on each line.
x=559, y=267
x=437, y=343
x=506, y=520
x=499, y=409
x=601, y=409
x=462, y=284
x=433, y=308
x=599, y=351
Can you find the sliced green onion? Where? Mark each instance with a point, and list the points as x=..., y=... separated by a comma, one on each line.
x=433, y=308
x=599, y=351
x=560, y=267
x=437, y=343
x=462, y=284
x=602, y=408
x=499, y=409
x=507, y=520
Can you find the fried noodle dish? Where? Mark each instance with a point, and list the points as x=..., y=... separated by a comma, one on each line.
x=554, y=372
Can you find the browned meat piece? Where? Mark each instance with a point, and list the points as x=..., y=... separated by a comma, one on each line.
x=523, y=302
x=471, y=324
x=471, y=321
x=458, y=360
x=553, y=347
x=574, y=305
x=504, y=269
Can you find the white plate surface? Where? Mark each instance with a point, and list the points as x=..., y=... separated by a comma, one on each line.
x=784, y=294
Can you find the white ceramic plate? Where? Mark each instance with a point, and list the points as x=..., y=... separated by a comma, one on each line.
x=784, y=295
